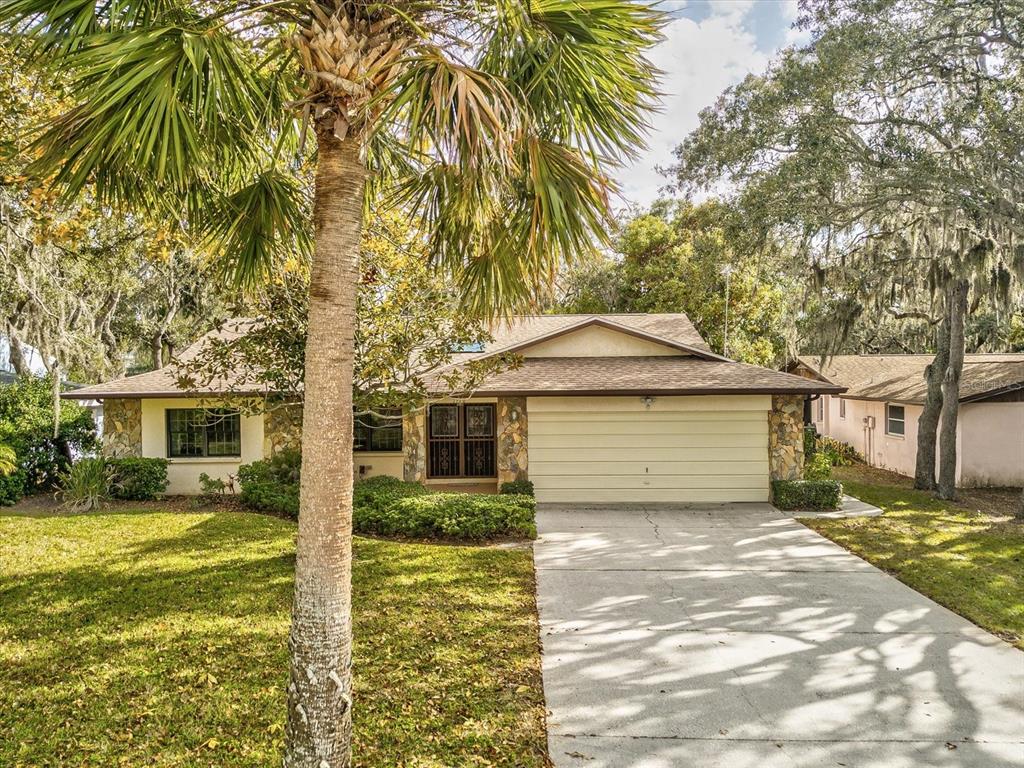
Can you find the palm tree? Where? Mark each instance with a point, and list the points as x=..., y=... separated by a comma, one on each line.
x=493, y=123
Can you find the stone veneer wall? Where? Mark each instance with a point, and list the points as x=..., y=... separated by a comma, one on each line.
x=282, y=428
x=122, y=427
x=414, y=445
x=513, y=455
x=786, y=437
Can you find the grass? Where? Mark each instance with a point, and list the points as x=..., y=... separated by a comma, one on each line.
x=969, y=559
x=160, y=639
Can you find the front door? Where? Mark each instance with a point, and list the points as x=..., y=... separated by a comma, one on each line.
x=461, y=440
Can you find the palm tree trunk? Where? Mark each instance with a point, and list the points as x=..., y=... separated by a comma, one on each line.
x=319, y=692
x=951, y=390
x=928, y=422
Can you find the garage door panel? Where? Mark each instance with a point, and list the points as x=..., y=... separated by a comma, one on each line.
x=639, y=469
x=562, y=427
x=655, y=496
x=658, y=441
x=681, y=450
x=721, y=482
x=592, y=416
x=637, y=454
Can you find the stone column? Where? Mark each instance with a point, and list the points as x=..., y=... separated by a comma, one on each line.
x=786, y=437
x=513, y=455
x=122, y=427
x=414, y=445
x=282, y=429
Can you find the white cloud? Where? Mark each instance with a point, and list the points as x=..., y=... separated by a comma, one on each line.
x=700, y=60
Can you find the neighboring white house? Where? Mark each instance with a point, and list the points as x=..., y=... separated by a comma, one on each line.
x=884, y=398
x=603, y=408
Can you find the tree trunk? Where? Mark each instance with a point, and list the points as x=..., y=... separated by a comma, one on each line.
x=55, y=373
x=319, y=692
x=951, y=390
x=156, y=347
x=17, y=354
x=928, y=422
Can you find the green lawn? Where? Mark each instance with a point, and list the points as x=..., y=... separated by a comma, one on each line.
x=159, y=639
x=970, y=560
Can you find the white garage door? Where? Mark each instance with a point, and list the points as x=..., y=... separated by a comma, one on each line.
x=679, y=449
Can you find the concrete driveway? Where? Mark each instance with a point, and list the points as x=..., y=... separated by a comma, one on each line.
x=733, y=637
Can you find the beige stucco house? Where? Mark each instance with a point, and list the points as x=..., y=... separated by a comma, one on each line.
x=603, y=408
x=884, y=397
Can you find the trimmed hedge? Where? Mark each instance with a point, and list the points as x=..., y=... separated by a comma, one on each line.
x=137, y=479
x=260, y=488
x=517, y=487
x=807, y=494
x=458, y=515
x=388, y=506
x=377, y=494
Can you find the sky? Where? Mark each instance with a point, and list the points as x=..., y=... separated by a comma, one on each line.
x=709, y=45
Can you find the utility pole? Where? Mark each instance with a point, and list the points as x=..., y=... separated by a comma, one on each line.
x=727, y=271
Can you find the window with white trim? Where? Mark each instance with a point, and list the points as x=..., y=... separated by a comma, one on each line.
x=895, y=420
x=842, y=408
x=821, y=408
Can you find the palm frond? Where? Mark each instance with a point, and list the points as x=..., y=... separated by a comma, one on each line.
x=161, y=108
x=462, y=113
x=255, y=229
x=581, y=67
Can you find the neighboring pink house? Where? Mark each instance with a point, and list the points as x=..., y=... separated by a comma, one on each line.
x=878, y=413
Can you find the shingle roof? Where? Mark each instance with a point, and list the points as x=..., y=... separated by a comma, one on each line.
x=701, y=372
x=684, y=375
x=163, y=382
x=900, y=378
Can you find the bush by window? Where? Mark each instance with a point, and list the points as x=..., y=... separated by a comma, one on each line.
x=895, y=420
x=137, y=479
x=380, y=431
x=202, y=432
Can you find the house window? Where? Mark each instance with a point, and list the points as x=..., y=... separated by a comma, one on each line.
x=462, y=440
x=895, y=420
x=821, y=408
x=379, y=431
x=203, y=432
x=842, y=408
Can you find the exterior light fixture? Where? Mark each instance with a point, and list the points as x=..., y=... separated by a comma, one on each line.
x=648, y=401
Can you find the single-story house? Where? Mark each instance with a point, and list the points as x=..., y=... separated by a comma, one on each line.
x=884, y=397
x=603, y=408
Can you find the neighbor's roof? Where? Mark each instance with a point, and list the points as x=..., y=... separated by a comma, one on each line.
x=900, y=378
x=683, y=375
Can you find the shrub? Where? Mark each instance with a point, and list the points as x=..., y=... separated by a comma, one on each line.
x=517, y=487
x=810, y=441
x=272, y=485
x=12, y=487
x=840, y=454
x=138, y=479
x=457, y=515
x=379, y=493
x=215, y=486
x=26, y=425
x=807, y=494
x=818, y=468
x=86, y=485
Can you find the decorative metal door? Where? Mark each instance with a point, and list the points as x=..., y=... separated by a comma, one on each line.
x=461, y=440
x=478, y=447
